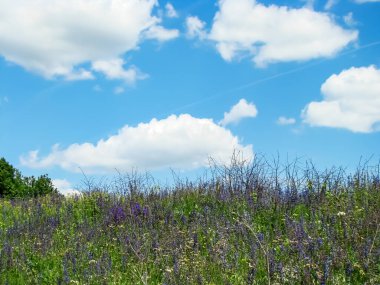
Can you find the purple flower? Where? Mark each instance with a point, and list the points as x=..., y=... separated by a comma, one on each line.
x=348, y=269
x=251, y=275
x=53, y=222
x=195, y=241
x=326, y=269
x=146, y=211
x=117, y=214
x=176, y=265
x=135, y=208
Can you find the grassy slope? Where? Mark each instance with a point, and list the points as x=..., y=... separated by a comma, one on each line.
x=241, y=227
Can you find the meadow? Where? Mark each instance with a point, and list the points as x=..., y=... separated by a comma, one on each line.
x=260, y=222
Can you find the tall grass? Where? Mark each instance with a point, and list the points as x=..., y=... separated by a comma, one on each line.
x=245, y=223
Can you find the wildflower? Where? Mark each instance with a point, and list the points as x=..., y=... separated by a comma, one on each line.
x=341, y=214
x=136, y=209
x=176, y=266
x=348, y=269
x=146, y=211
x=195, y=240
x=117, y=214
x=251, y=275
x=326, y=269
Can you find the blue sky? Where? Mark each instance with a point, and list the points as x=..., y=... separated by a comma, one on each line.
x=95, y=86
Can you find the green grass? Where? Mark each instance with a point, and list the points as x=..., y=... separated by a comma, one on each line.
x=199, y=233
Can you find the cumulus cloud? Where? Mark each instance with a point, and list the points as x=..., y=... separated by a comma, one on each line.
x=113, y=69
x=285, y=121
x=178, y=141
x=273, y=33
x=57, y=38
x=65, y=187
x=241, y=110
x=351, y=101
x=170, y=11
x=195, y=28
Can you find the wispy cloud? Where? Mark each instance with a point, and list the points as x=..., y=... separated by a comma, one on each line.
x=4, y=100
x=170, y=11
x=330, y=3
x=114, y=69
x=195, y=28
x=283, y=121
x=366, y=1
x=349, y=19
x=119, y=90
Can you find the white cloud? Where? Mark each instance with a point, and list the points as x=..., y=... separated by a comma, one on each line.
x=170, y=11
x=366, y=1
x=351, y=101
x=241, y=110
x=177, y=141
x=55, y=38
x=349, y=19
x=113, y=69
x=309, y=4
x=119, y=90
x=79, y=74
x=160, y=33
x=330, y=3
x=286, y=121
x=65, y=187
x=195, y=28
x=273, y=33
x=97, y=88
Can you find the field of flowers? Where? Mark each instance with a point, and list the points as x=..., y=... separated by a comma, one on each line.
x=248, y=223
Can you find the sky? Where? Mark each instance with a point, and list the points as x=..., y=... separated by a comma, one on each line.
x=92, y=87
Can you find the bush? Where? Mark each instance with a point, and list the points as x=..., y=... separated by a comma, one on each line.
x=13, y=184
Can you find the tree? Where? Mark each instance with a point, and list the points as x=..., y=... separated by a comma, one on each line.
x=10, y=179
x=13, y=184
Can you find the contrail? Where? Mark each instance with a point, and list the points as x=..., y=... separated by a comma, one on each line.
x=268, y=78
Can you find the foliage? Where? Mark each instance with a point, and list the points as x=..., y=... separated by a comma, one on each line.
x=251, y=223
x=14, y=185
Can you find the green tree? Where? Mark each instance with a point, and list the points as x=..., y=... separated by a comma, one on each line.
x=13, y=184
x=10, y=179
x=39, y=186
